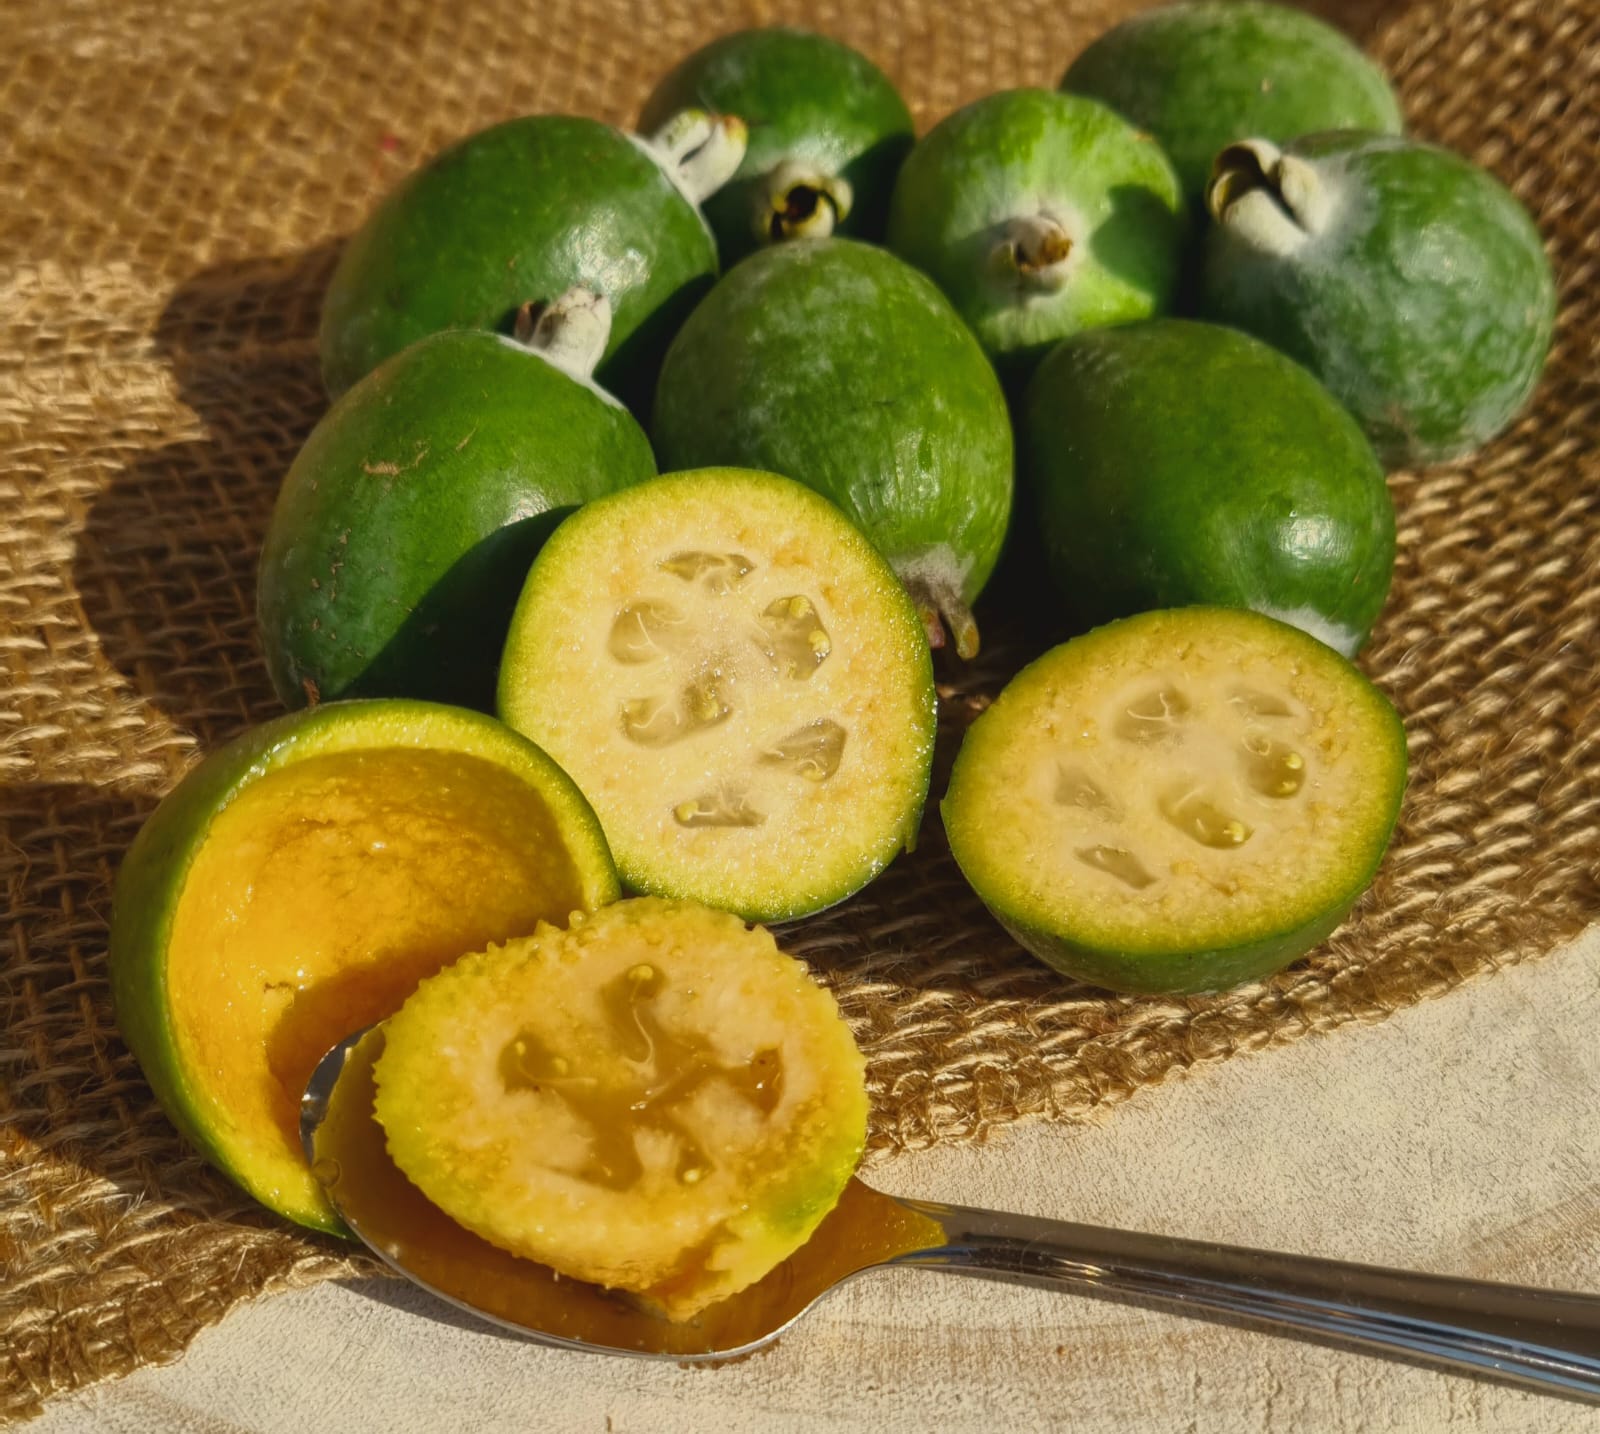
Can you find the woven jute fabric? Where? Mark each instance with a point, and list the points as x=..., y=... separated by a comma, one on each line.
x=174, y=179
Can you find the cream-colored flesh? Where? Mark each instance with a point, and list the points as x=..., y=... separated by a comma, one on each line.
x=740, y=693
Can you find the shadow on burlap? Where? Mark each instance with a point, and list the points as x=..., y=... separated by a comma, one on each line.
x=174, y=187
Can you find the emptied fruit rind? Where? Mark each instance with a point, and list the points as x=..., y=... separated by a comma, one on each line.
x=1179, y=801
x=656, y=1099
x=296, y=886
x=738, y=683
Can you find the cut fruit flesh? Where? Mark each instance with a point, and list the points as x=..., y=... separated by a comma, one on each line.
x=744, y=694
x=357, y=849
x=656, y=1100
x=1178, y=800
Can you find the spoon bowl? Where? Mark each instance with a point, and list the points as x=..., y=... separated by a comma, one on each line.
x=1544, y=1339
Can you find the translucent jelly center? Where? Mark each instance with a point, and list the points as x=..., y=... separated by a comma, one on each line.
x=665, y=1071
x=1170, y=772
x=705, y=645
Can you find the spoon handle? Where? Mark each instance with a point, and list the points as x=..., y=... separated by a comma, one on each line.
x=1546, y=1339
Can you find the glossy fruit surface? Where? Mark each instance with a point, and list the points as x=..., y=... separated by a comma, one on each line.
x=1200, y=76
x=513, y=215
x=405, y=528
x=1411, y=282
x=1040, y=214
x=836, y=364
x=298, y=884
x=736, y=681
x=1177, y=802
x=1174, y=462
x=827, y=133
x=656, y=1099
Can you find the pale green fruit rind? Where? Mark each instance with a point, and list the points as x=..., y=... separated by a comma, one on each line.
x=1023, y=153
x=839, y=365
x=806, y=99
x=1419, y=292
x=541, y=692
x=1066, y=928
x=517, y=214
x=1173, y=462
x=151, y=879
x=431, y=1081
x=405, y=527
x=1199, y=76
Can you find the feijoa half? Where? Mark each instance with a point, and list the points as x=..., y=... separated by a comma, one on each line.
x=296, y=886
x=1411, y=282
x=837, y=364
x=656, y=1099
x=522, y=212
x=1173, y=462
x=1201, y=75
x=1179, y=801
x=1040, y=214
x=404, y=530
x=736, y=681
x=827, y=133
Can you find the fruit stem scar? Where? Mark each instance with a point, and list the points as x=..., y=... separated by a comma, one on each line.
x=1274, y=201
x=1033, y=251
x=799, y=201
x=940, y=606
x=699, y=150
x=569, y=332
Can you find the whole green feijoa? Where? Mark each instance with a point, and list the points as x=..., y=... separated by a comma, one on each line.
x=834, y=363
x=1040, y=214
x=827, y=133
x=1199, y=76
x=405, y=528
x=1411, y=282
x=1179, y=801
x=522, y=212
x=1175, y=463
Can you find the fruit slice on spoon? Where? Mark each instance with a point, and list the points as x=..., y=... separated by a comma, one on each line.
x=1179, y=801
x=656, y=1100
x=301, y=881
x=737, y=682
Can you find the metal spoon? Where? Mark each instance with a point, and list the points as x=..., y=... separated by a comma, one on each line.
x=1544, y=1339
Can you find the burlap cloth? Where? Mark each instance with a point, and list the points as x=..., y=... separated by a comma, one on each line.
x=173, y=180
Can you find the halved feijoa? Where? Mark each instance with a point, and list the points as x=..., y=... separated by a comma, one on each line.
x=1411, y=282
x=1040, y=214
x=827, y=133
x=656, y=1099
x=839, y=365
x=404, y=530
x=526, y=210
x=1201, y=75
x=1173, y=462
x=737, y=683
x=1179, y=801
x=300, y=882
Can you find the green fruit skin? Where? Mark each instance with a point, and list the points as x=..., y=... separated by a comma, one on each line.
x=805, y=98
x=404, y=529
x=1157, y=972
x=1020, y=153
x=835, y=364
x=1425, y=302
x=151, y=878
x=518, y=213
x=1200, y=76
x=1175, y=462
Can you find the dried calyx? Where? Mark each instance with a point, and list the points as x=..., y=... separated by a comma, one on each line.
x=1275, y=200
x=796, y=200
x=1033, y=251
x=570, y=332
x=699, y=150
